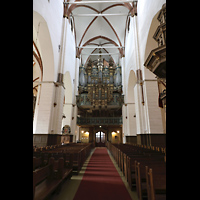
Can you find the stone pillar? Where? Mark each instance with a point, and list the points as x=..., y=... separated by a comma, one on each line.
x=141, y=119
x=56, y=123
x=74, y=127
x=125, y=120
x=47, y=123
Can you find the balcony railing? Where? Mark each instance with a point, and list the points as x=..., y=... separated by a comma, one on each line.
x=83, y=101
x=99, y=120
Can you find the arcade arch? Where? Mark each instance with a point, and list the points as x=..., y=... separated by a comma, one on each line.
x=42, y=40
x=44, y=84
x=130, y=105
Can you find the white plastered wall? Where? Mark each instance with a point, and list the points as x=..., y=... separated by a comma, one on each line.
x=42, y=39
x=146, y=26
x=57, y=50
x=139, y=43
x=129, y=109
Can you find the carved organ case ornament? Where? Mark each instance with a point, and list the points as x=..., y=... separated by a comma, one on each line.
x=100, y=85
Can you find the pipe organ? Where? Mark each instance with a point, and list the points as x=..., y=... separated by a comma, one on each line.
x=100, y=86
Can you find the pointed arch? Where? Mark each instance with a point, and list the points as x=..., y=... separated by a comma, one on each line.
x=103, y=18
x=102, y=37
x=43, y=40
x=72, y=7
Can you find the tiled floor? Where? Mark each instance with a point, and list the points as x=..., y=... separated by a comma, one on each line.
x=70, y=187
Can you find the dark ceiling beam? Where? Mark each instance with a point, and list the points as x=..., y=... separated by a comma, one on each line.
x=38, y=58
x=36, y=79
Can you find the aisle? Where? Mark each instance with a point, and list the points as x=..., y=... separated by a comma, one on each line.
x=101, y=181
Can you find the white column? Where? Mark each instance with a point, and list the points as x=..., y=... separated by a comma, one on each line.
x=124, y=126
x=67, y=110
x=74, y=127
x=132, y=119
x=122, y=63
x=140, y=108
x=124, y=108
x=56, y=121
x=56, y=124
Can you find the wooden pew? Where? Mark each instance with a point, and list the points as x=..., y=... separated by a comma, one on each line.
x=122, y=161
x=125, y=166
x=53, y=165
x=74, y=154
x=156, y=184
x=131, y=174
x=38, y=162
x=76, y=162
x=68, y=158
x=43, y=182
x=48, y=179
x=140, y=173
x=61, y=171
x=130, y=152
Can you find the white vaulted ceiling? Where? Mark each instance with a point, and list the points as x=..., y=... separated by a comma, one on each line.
x=106, y=30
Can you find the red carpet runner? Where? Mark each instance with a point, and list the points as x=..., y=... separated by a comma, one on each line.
x=101, y=180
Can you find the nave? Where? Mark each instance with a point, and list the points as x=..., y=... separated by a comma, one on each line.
x=99, y=80
x=79, y=171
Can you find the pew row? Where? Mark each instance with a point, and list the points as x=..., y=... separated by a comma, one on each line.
x=74, y=155
x=134, y=160
x=48, y=179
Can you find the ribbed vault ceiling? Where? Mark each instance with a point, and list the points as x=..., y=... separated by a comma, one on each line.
x=100, y=25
